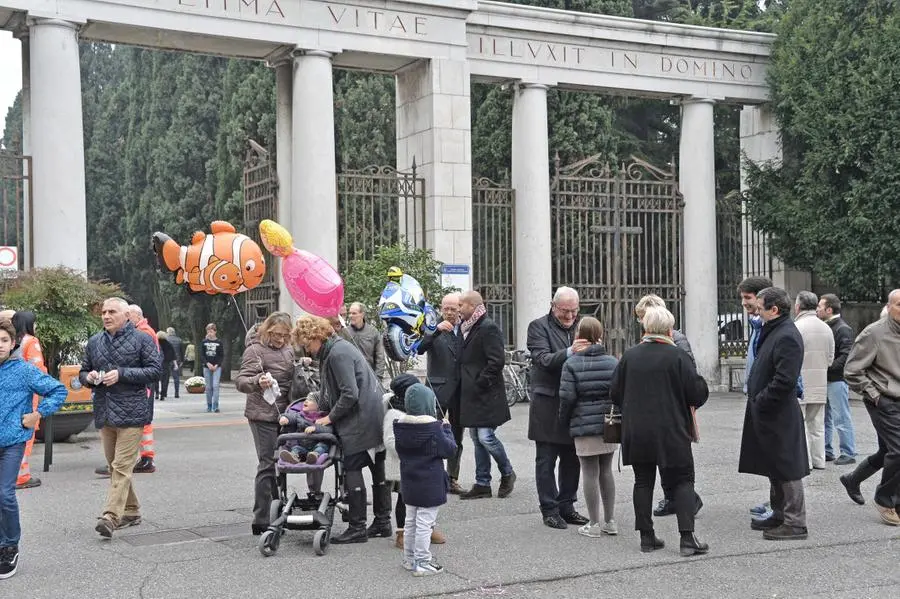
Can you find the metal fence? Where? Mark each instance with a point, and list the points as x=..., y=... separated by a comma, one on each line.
x=15, y=191
x=260, y=202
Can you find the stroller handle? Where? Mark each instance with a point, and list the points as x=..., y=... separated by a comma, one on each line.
x=324, y=437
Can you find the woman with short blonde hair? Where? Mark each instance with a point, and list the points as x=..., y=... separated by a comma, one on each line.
x=658, y=321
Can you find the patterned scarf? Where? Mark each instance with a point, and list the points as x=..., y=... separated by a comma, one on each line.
x=467, y=324
x=648, y=338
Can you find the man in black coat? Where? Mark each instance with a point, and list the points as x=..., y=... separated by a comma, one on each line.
x=443, y=349
x=551, y=340
x=482, y=398
x=774, y=438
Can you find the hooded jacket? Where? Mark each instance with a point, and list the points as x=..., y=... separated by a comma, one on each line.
x=423, y=444
x=18, y=382
x=257, y=359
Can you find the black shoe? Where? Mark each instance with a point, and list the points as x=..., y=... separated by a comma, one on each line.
x=844, y=460
x=162, y=398
x=144, y=466
x=829, y=458
x=477, y=492
x=555, y=521
x=9, y=561
x=650, y=543
x=380, y=528
x=786, y=533
x=575, y=518
x=664, y=508
x=507, y=483
x=767, y=524
x=258, y=529
x=102, y=470
x=852, y=487
x=691, y=545
x=353, y=534
x=176, y=396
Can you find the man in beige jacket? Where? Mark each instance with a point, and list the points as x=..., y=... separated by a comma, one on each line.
x=818, y=354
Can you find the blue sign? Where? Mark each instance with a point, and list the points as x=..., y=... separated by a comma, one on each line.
x=455, y=269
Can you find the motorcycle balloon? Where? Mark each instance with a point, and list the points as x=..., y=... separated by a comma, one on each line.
x=398, y=345
x=431, y=319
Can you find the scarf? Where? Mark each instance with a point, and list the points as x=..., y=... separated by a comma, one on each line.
x=648, y=338
x=467, y=324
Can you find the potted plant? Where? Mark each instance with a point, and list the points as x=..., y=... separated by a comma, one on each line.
x=195, y=384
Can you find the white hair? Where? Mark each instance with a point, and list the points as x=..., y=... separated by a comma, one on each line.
x=657, y=321
x=170, y=330
x=564, y=293
x=118, y=300
x=136, y=310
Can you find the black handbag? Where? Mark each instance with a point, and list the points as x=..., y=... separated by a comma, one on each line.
x=612, y=426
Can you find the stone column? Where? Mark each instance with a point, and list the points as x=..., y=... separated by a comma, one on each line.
x=57, y=146
x=313, y=205
x=25, y=242
x=531, y=181
x=697, y=176
x=284, y=83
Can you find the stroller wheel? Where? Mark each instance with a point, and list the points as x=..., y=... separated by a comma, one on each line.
x=268, y=543
x=321, y=540
x=274, y=510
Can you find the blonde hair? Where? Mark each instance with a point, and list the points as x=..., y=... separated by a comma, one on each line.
x=589, y=329
x=311, y=328
x=274, y=319
x=657, y=321
x=651, y=300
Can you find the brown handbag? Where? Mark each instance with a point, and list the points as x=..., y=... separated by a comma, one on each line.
x=612, y=426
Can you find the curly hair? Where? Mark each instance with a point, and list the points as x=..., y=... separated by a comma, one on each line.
x=311, y=328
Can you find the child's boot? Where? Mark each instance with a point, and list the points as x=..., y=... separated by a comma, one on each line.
x=398, y=541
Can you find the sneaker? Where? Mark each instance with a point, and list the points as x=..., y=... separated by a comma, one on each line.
x=408, y=565
x=105, y=526
x=127, y=521
x=145, y=466
x=591, y=529
x=9, y=561
x=760, y=509
x=888, y=515
x=30, y=483
x=288, y=457
x=664, y=508
x=764, y=516
x=845, y=460
x=610, y=528
x=507, y=483
x=427, y=568
x=311, y=457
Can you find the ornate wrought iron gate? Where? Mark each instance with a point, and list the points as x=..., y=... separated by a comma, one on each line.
x=617, y=235
x=15, y=190
x=377, y=206
x=260, y=202
x=493, y=251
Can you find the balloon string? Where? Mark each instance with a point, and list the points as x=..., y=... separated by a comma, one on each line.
x=240, y=315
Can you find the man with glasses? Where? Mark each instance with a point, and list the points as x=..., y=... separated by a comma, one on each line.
x=551, y=340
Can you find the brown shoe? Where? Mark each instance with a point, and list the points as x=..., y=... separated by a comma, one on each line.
x=105, y=526
x=888, y=515
x=437, y=537
x=454, y=489
x=398, y=541
x=127, y=521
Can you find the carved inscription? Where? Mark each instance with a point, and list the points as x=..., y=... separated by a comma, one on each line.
x=261, y=8
x=378, y=21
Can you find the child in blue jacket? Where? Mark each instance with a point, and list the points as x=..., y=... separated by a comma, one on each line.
x=423, y=443
x=19, y=381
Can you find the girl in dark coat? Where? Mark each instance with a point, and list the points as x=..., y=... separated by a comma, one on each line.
x=583, y=402
x=656, y=385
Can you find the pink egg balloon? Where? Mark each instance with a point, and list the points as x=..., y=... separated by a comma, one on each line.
x=313, y=283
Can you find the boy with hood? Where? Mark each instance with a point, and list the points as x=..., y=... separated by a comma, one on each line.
x=422, y=442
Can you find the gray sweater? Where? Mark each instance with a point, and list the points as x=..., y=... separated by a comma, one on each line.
x=873, y=366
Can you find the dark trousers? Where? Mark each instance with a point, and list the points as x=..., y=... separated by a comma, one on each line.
x=669, y=492
x=453, y=463
x=355, y=483
x=680, y=480
x=788, y=502
x=265, y=437
x=400, y=511
x=164, y=374
x=553, y=499
x=886, y=420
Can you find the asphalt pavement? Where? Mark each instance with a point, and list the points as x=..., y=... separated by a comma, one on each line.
x=195, y=538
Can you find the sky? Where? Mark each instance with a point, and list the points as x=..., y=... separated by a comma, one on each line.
x=10, y=72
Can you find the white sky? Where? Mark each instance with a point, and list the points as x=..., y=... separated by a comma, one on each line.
x=10, y=72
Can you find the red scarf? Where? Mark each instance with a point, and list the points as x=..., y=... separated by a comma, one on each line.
x=467, y=324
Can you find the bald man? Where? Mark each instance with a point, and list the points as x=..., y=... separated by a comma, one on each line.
x=482, y=400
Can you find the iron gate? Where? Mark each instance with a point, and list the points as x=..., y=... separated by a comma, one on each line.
x=617, y=235
x=493, y=251
x=260, y=202
x=15, y=190
x=378, y=206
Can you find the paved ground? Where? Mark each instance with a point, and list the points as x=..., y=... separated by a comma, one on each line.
x=195, y=540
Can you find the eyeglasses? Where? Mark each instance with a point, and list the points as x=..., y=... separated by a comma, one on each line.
x=569, y=311
x=282, y=336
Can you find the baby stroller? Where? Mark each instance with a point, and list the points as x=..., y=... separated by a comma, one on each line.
x=315, y=512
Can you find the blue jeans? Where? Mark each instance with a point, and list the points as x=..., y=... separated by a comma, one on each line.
x=487, y=445
x=10, y=459
x=212, y=387
x=837, y=416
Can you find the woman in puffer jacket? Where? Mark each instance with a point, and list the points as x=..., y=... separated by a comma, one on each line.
x=583, y=402
x=267, y=360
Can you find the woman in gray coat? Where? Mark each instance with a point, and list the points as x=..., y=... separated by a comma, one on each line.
x=354, y=396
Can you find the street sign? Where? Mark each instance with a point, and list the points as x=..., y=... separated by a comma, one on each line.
x=9, y=258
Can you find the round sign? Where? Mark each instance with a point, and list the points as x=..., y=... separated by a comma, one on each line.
x=9, y=256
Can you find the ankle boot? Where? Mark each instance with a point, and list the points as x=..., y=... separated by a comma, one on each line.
x=398, y=541
x=691, y=545
x=649, y=542
x=356, y=516
x=852, y=480
x=381, y=505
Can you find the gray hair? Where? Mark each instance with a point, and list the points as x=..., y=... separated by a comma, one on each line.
x=807, y=300
x=136, y=310
x=646, y=302
x=359, y=306
x=564, y=293
x=658, y=321
x=170, y=330
x=118, y=300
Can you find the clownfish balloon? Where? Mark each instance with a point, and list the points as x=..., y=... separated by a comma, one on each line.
x=224, y=261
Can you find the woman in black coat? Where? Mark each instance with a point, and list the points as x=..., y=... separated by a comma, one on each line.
x=583, y=402
x=656, y=385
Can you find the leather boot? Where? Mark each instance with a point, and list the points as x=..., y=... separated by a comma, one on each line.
x=649, y=542
x=398, y=542
x=852, y=481
x=691, y=545
x=356, y=516
x=437, y=537
x=381, y=505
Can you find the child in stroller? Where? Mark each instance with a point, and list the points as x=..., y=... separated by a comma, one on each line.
x=301, y=418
